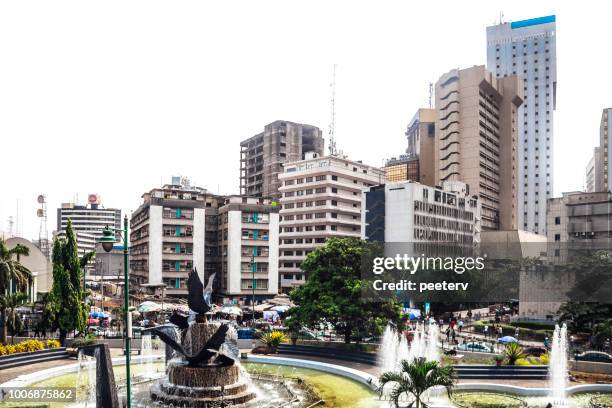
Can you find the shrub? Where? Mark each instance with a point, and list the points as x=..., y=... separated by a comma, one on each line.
x=534, y=325
x=513, y=352
x=33, y=345
x=273, y=339
x=53, y=344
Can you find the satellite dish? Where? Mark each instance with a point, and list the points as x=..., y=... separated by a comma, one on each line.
x=41, y=199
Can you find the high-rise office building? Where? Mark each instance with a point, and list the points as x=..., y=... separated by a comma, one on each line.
x=420, y=134
x=88, y=221
x=262, y=156
x=321, y=199
x=527, y=49
x=248, y=247
x=172, y=232
x=476, y=139
x=603, y=169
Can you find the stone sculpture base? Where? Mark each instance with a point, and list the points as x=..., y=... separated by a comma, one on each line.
x=202, y=386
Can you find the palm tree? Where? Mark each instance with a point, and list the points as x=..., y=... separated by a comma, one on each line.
x=10, y=302
x=11, y=270
x=417, y=377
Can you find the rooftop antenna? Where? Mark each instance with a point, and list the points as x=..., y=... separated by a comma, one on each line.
x=430, y=95
x=332, y=119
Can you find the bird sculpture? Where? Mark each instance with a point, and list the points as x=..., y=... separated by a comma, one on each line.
x=223, y=349
x=199, y=298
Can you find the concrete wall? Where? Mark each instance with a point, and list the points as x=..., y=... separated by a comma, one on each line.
x=199, y=228
x=234, y=256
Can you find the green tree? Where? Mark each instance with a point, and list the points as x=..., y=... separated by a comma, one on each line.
x=48, y=306
x=68, y=289
x=10, y=302
x=416, y=378
x=12, y=271
x=583, y=316
x=333, y=291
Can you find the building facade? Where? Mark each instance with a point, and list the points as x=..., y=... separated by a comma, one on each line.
x=527, y=49
x=579, y=217
x=262, y=156
x=420, y=135
x=415, y=213
x=594, y=170
x=248, y=245
x=172, y=232
x=321, y=199
x=88, y=221
x=476, y=139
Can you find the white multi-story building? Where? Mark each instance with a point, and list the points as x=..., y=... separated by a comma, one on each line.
x=88, y=221
x=321, y=199
x=527, y=49
x=172, y=232
x=412, y=212
x=248, y=244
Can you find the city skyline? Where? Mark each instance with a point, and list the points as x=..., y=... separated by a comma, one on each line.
x=65, y=105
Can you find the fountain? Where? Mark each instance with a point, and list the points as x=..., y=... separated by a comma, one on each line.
x=394, y=347
x=557, y=369
x=207, y=371
x=101, y=380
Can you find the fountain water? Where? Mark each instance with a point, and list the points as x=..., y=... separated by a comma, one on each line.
x=557, y=368
x=394, y=346
x=146, y=350
x=86, y=380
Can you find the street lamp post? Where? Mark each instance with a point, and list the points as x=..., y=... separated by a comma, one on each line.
x=253, y=266
x=107, y=240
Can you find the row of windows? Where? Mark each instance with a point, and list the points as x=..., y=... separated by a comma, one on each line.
x=436, y=209
x=440, y=236
x=436, y=222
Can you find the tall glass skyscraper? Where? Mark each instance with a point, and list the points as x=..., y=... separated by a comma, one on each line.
x=528, y=49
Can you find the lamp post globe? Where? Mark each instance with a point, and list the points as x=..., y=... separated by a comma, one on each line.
x=108, y=239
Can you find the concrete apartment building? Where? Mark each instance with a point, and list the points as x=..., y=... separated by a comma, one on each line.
x=412, y=212
x=262, y=156
x=527, y=49
x=172, y=232
x=248, y=245
x=476, y=140
x=579, y=217
x=88, y=221
x=321, y=199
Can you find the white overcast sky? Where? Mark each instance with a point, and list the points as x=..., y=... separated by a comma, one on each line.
x=114, y=97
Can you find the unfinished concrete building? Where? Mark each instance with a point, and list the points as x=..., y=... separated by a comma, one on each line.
x=262, y=156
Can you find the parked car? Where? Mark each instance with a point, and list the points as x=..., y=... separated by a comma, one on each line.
x=535, y=351
x=597, y=356
x=475, y=347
